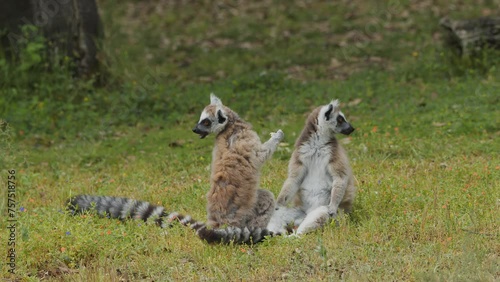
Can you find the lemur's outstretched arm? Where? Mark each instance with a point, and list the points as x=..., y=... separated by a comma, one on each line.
x=267, y=149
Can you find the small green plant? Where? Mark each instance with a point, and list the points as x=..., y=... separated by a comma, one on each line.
x=31, y=51
x=27, y=53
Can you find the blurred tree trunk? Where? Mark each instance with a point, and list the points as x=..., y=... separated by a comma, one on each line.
x=71, y=28
x=469, y=36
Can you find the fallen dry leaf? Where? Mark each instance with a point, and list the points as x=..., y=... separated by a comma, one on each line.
x=354, y=102
x=439, y=124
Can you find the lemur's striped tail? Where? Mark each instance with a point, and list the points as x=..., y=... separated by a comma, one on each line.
x=124, y=208
x=235, y=235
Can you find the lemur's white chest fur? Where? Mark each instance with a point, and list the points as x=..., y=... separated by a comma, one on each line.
x=317, y=184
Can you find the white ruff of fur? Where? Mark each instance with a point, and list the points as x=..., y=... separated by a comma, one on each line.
x=317, y=183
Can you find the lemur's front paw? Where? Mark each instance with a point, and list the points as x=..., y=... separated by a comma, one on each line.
x=332, y=213
x=278, y=135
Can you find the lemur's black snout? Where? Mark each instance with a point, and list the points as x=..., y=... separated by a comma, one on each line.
x=348, y=130
x=200, y=132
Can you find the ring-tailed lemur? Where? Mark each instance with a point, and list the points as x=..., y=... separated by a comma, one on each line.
x=320, y=179
x=234, y=199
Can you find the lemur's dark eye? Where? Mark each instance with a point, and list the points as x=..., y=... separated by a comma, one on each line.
x=340, y=120
x=206, y=122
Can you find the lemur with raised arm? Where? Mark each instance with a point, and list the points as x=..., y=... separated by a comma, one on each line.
x=238, y=210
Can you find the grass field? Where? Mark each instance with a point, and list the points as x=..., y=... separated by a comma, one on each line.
x=425, y=152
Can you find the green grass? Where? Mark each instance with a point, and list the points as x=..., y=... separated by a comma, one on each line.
x=425, y=152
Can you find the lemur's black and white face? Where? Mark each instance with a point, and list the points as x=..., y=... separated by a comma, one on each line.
x=330, y=117
x=212, y=119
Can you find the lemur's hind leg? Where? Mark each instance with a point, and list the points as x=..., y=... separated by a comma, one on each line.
x=263, y=210
x=314, y=220
x=283, y=216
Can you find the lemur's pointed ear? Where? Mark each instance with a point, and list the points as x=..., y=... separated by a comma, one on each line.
x=221, y=118
x=328, y=112
x=335, y=103
x=214, y=100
